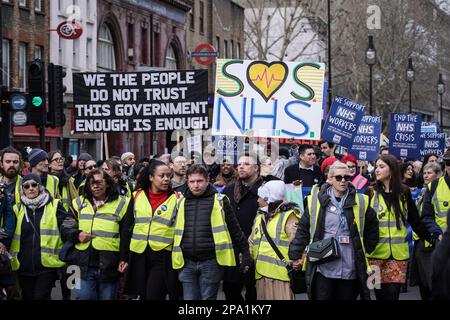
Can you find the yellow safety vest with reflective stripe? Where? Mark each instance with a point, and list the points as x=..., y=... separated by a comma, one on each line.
x=221, y=235
x=81, y=186
x=66, y=196
x=359, y=211
x=441, y=203
x=16, y=189
x=393, y=242
x=52, y=186
x=50, y=239
x=268, y=264
x=155, y=228
x=103, y=224
x=419, y=205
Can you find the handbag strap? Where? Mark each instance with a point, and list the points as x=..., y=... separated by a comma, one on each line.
x=272, y=244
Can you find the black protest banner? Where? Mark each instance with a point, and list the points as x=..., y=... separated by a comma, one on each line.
x=140, y=101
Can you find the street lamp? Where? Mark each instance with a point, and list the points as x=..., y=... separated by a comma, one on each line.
x=329, y=53
x=371, y=56
x=440, y=91
x=410, y=79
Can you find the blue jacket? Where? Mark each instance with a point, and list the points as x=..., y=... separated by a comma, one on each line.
x=7, y=219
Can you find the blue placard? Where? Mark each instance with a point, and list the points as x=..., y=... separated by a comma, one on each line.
x=404, y=138
x=432, y=140
x=343, y=121
x=366, y=144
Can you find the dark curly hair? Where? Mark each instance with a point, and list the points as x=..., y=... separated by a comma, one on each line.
x=111, y=186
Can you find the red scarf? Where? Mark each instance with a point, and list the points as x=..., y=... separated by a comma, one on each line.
x=156, y=199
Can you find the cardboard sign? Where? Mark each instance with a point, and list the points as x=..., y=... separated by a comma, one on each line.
x=140, y=101
x=366, y=144
x=268, y=99
x=343, y=120
x=404, y=138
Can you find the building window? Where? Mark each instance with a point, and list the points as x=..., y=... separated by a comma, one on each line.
x=238, y=49
x=75, y=50
x=130, y=42
x=106, y=60
x=88, y=8
x=60, y=50
x=23, y=3
x=218, y=46
x=232, y=50
x=225, y=49
x=38, y=52
x=88, y=53
x=6, y=61
x=202, y=17
x=192, y=17
x=171, y=59
x=22, y=65
x=144, y=45
x=37, y=5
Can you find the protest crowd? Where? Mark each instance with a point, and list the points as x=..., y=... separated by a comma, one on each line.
x=310, y=221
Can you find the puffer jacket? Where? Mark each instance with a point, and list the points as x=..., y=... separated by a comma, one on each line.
x=371, y=237
x=198, y=242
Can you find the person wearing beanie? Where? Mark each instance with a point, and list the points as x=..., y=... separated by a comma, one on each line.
x=37, y=238
x=358, y=180
x=128, y=162
x=79, y=175
x=272, y=280
x=38, y=159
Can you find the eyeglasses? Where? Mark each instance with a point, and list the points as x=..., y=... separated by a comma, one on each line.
x=58, y=160
x=91, y=167
x=339, y=178
x=351, y=167
x=97, y=183
x=28, y=185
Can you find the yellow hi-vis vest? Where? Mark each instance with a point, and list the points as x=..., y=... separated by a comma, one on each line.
x=221, y=235
x=52, y=186
x=393, y=242
x=268, y=264
x=67, y=197
x=155, y=228
x=441, y=203
x=359, y=211
x=16, y=189
x=50, y=239
x=103, y=224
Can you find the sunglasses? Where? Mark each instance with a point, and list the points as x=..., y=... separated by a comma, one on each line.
x=91, y=167
x=339, y=178
x=58, y=160
x=28, y=185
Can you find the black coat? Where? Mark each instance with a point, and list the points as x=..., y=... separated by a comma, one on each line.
x=30, y=242
x=198, y=242
x=308, y=177
x=246, y=209
x=441, y=267
x=371, y=237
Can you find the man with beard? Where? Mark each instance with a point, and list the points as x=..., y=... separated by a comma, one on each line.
x=243, y=195
x=178, y=166
x=10, y=166
x=38, y=159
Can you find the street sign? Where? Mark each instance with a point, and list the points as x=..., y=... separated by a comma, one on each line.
x=19, y=118
x=204, y=50
x=70, y=30
x=18, y=102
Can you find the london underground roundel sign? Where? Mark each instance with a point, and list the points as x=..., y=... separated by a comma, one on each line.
x=204, y=54
x=69, y=30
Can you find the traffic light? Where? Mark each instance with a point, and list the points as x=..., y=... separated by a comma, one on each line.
x=56, y=91
x=36, y=93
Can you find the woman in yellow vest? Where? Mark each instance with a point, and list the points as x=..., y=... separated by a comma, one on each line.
x=66, y=186
x=281, y=221
x=394, y=206
x=153, y=210
x=421, y=263
x=37, y=239
x=101, y=251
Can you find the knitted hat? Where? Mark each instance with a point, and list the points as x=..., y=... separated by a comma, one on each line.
x=126, y=155
x=85, y=157
x=271, y=191
x=31, y=177
x=36, y=155
x=328, y=162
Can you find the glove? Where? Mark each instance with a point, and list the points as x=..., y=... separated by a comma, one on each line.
x=246, y=263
